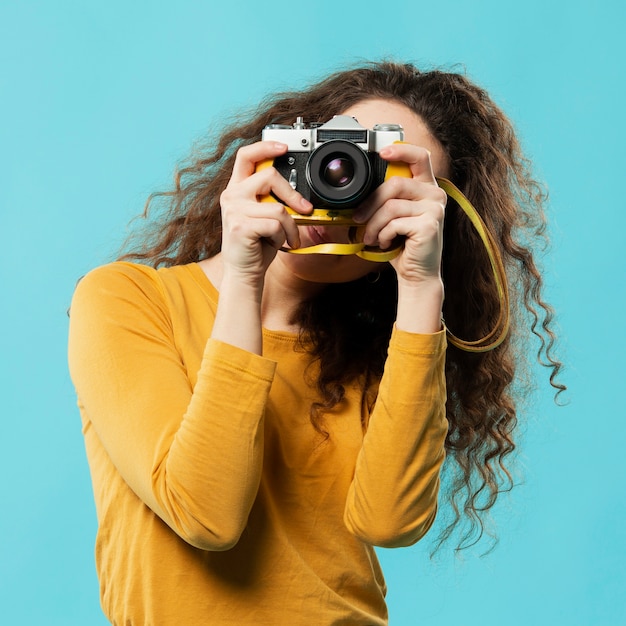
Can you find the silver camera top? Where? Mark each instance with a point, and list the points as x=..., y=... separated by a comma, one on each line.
x=301, y=137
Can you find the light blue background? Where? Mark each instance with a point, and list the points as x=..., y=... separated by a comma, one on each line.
x=99, y=100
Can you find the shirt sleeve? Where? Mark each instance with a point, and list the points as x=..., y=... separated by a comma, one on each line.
x=193, y=455
x=392, y=500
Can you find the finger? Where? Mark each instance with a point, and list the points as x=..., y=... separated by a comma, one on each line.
x=290, y=229
x=417, y=158
x=399, y=188
x=270, y=181
x=397, y=209
x=249, y=156
x=392, y=209
x=263, y=183
x=264, y=221
x=284, y=223
x=422, y=229
x=272, y=232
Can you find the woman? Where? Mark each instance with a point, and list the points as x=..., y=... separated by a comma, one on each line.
x=256, y=421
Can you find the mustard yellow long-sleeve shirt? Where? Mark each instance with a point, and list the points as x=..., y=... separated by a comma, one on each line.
x=217, y=501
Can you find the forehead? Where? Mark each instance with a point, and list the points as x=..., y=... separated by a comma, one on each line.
x=380, y=111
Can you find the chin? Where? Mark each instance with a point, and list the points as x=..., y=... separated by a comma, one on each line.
x=329, y=268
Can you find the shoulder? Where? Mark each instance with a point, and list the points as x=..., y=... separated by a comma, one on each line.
x=140, y=292
x=127, y=288
x=119, y=275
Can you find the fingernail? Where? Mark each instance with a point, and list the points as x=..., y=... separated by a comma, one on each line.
x=385, y=152
x=305, y=204
x=280, y=146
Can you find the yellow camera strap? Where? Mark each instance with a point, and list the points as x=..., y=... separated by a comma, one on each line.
x=355, y=248
x=501, y=327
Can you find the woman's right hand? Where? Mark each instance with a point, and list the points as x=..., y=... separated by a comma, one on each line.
x=253, y=231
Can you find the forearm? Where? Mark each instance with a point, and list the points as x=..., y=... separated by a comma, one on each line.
x=209, y=479
x=393, y=498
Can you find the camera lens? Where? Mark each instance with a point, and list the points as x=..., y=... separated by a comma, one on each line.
x=338, y=172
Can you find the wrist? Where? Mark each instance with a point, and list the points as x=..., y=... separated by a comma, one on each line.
x=238, y=317
x=249, y=285
x=419, y=306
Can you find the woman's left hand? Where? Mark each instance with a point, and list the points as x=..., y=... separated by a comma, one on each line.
x=412, y=208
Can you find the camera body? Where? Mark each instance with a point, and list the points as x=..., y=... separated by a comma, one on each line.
x=335, y=165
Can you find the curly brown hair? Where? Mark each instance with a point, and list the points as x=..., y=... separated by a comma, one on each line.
x=348, y=326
